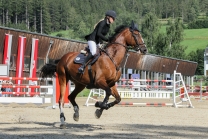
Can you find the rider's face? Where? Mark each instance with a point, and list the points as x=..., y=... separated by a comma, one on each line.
x=111, y=20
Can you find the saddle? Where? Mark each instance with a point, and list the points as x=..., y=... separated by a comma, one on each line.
x=83, y=54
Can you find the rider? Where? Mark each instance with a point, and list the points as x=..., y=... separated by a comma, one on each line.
x=98, y=35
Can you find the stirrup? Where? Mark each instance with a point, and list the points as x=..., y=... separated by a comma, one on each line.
x=81, y=69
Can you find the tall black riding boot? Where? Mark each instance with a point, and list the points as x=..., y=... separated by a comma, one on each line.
x=81, y=69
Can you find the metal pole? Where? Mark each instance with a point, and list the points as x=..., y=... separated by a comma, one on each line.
x=177, y=66
x=124, y=69
x=192, y=84
x=51, y=43
x=174, y=85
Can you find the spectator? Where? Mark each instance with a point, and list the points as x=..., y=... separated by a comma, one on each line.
x=6, y=83
x=9, y=83
x=3, y=89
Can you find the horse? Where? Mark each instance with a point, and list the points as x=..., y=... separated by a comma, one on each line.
x=105, y=71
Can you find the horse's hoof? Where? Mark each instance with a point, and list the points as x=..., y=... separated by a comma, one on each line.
x=62, y=126
x=98, y=113
x=76, y=116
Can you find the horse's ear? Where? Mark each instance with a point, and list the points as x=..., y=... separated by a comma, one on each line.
x=134, y=26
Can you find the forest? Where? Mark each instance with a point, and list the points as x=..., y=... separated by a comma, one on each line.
x=78, y=17
x=46, y=16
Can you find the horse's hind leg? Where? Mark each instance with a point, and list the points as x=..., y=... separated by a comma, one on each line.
x=62, y=82
x=72, y=96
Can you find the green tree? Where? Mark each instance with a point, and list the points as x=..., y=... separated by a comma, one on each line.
x=67, y=14
x=150, y=30
x=7, y=11
x=198, y=56
x=64, y=14
x=17, y=9
x=174, y=37
x=46, y=18
x=28, y=11
x=161, y=47
x=82, y=29
x=54, y=15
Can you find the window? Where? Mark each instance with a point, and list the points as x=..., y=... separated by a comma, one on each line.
x=40, y=64
x=26, y=63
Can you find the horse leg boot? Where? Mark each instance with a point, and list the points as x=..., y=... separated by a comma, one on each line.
x=89, y=56
x=102, y=105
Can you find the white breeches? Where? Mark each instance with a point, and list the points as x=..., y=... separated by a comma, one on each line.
x=92, y=47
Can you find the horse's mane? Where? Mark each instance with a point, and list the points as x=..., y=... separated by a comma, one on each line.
x=118, y=30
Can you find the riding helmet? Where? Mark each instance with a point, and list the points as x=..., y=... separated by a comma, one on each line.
x=111, y=13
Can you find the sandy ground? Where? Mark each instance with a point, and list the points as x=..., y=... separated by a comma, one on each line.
x=42, y=122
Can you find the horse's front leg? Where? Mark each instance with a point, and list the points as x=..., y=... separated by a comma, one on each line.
x=116, y=95
x=105, y=105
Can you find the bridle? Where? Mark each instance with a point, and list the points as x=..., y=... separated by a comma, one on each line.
x=136, y=48
x=138, y=45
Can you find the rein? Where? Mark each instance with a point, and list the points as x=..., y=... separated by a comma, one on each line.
x=138, y=47
x=126, y=47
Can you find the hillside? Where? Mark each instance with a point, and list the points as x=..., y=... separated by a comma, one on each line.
x=193, y=38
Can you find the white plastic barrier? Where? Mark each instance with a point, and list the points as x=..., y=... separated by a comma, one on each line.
x=39, y=97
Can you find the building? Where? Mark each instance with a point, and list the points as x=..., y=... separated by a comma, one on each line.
x=206, y=61
x=51, y=48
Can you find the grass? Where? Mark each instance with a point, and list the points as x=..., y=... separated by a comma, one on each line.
x=195, y=39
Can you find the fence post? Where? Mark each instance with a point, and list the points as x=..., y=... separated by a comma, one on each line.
x=54, y=93
x=201, y=90
x=174, y=88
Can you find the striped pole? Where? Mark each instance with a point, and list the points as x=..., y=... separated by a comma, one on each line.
x=7, y=50
x=21, y=93
x=20, y=60
x=24, y=86
x=145, y=104
x=24, y=78
x=145, y=80
x=33, y=62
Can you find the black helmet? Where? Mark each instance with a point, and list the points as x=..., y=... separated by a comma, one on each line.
x=111, y=13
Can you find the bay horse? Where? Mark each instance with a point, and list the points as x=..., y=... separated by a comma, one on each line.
x=105, y=71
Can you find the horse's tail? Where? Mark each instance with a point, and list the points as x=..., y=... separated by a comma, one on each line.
x=48, y=70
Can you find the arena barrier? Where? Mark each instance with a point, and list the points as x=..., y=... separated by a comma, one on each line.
x=173, y=93
x=198, y=95
x=197, y=92
x=33, y=97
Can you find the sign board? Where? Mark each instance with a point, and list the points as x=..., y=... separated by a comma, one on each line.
x=4, y=70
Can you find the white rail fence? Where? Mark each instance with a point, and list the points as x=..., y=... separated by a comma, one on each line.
x=144, y=92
